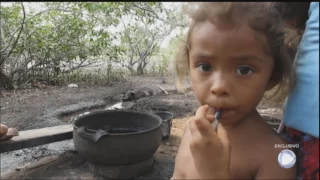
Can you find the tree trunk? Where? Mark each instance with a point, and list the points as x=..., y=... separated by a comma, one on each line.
x=56, y=68
x=130, y=69
x=140, y=69
x=5, y=81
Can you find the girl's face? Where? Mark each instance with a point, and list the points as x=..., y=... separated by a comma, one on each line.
x=229, y=69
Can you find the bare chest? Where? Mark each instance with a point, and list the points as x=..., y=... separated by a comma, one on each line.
x=242, y=165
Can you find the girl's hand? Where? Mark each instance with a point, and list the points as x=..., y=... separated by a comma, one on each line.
x=210, y=150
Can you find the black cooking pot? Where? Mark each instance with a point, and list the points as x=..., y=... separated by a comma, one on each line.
x=117, y=137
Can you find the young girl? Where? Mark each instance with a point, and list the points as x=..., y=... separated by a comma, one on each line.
x=233, y=54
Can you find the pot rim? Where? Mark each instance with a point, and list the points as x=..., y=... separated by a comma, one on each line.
x=128, y=111
x=166, y=112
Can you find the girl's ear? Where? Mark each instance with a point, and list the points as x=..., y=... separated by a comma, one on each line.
x=274, y=80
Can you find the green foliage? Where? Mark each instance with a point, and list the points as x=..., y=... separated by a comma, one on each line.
x=77, y=33
x=90, y=78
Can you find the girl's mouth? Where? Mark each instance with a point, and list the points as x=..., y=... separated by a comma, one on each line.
x=221, y=113
x=216, y=110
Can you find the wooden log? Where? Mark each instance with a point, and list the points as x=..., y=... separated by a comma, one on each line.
x=36, y=137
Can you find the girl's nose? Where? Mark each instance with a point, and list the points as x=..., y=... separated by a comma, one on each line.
x=219, y=85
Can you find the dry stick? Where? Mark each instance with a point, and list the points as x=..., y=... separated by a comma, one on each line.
x=163, y=89
x=216, y=121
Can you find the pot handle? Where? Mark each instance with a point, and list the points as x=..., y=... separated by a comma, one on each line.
x=93, y=137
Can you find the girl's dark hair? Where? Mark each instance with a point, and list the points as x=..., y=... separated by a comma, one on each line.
x=293, y=11
x=260, y=16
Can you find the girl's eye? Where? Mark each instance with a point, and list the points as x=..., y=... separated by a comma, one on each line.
x=244, y=70
x=204, y=67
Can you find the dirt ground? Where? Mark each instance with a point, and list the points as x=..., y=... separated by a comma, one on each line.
x=23, y=108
